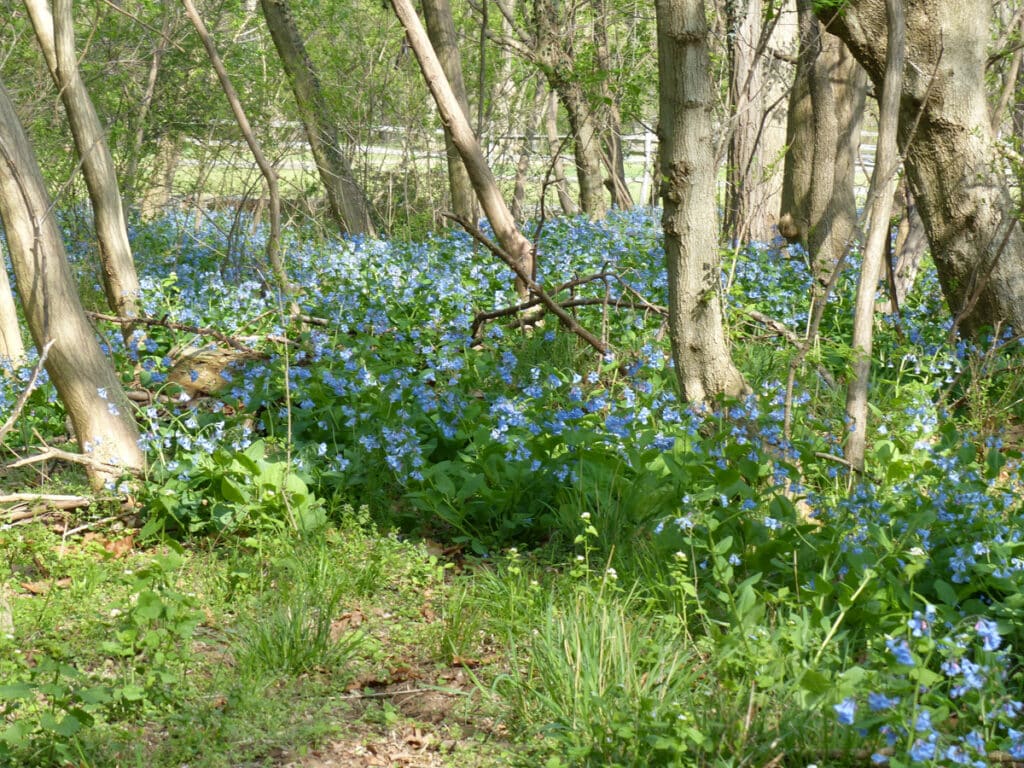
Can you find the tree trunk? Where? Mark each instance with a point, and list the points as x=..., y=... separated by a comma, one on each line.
x=880, y=201
x=610, y=115
x=345, y=198
x=950, y=157
x=699, y=347
x=12, y=348
x=554, y=51
x=487, y=191
x=55, y=34
x=819, y=208
x=441, y=31
x=87, y=384
x=268, y=171
x=555, y=148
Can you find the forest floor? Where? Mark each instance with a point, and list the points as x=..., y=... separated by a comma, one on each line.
x=353, y=650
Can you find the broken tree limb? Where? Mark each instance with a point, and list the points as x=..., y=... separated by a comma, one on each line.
x=527, y=279
x=49, y=453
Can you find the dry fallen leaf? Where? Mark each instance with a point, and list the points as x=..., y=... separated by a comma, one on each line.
x=42, y=587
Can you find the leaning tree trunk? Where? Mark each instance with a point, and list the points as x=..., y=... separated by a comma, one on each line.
x=950, y=157
x=12, y=348
x=86, y=383
x=55, y=34
x=344, y=195
x=699, y=347
x=441, y=31
x=486, y=186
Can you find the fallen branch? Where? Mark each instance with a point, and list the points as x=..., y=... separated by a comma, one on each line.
x=567, y=320
x=163, y=323
x=23, y=398
x=49, y=453
x=483, y=317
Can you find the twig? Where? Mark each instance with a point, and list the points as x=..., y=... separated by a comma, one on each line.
x=163, y=323
x=568, y=320
x=23, y=398
x=75, y=458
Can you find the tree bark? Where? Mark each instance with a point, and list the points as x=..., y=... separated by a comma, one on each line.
x=493, y=204
x=441, y=31
x=555, y=148
x=819, y=209
x=55, y=33
x=345, y=197
x=85, y=381
x=554, y=51
x=880, y=200
x=12, y=348
x=699, y=348
x=950, y=156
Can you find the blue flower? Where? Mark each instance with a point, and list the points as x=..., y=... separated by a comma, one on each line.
x=846, y=710
x=901, y=650
x=989, y=634
x=879, y=701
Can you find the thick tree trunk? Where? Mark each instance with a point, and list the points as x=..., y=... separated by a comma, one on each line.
x=55, y=34
x=441, y=30
x=950, y=158
x=818, y=205
x=344, y=196
x=699, y=347
x=85, y=380
x=488, y=193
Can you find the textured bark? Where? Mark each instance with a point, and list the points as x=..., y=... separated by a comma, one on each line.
x=441, y=30
x=880, y=200
x=345, y=197
x=55, y=34
x=85, y=381
x=752, y=204
x=699, y=347
x=819, y=209
x=484, y=183
x=951, y=162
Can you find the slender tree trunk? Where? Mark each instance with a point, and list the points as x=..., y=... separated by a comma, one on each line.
x=441, y=31
x=531, y=123
x=493, y=204
x=880, y=200
x=55, y=33
x=135, y=150
x=85, y=381
x=586, y=146
x=345, y=198
x=610, y=115
x=699, y=348
x=554, y=51
x=950, y=156
x=269, y=174
x=12, y=348
x=555, y=148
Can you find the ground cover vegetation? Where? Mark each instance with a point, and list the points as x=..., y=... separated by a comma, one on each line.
x=435, y=539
